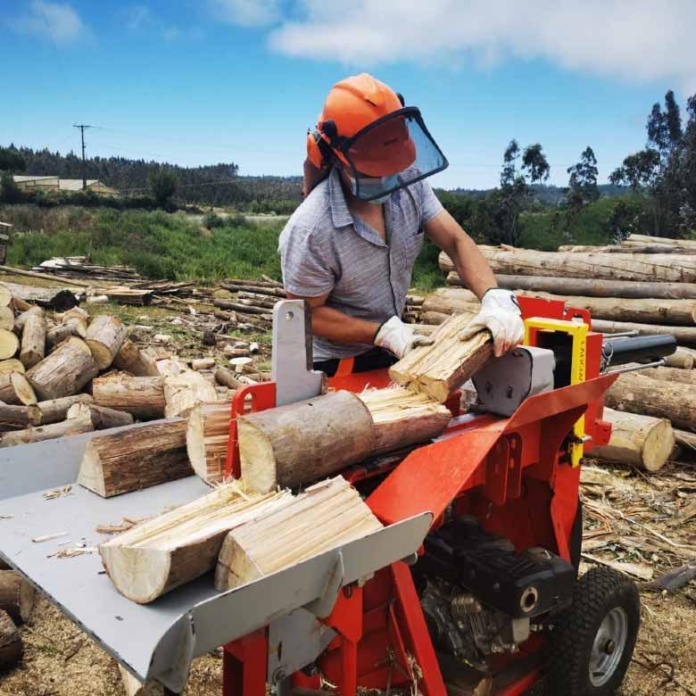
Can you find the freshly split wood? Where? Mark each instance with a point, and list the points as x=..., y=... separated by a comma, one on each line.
x=325, y=516
x=160, y=554
x=207, y=439
x=105, y=336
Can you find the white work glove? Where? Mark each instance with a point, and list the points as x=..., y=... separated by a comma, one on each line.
x=500, y=314
x=399, y=338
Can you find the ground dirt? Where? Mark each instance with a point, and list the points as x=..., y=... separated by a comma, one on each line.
x=625, y=508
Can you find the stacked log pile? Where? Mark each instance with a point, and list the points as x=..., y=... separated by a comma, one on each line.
x=16, y=605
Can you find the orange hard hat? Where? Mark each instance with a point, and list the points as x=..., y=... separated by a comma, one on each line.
x=355, y=126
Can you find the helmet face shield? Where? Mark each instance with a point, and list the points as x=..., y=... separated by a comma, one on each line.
x=391, y=153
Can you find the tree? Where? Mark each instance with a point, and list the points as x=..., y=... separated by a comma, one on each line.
x=11, y=161
x=582, y=185
x=9, y=191
x=535, y=165
x=163, y=186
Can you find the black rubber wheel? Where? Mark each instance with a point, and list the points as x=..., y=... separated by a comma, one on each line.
x=593, y=640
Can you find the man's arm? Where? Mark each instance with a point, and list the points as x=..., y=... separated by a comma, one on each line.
x=470, y=263
x=336, y=326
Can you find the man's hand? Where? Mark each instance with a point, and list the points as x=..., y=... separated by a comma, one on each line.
x=399, y=338
x=500, y=314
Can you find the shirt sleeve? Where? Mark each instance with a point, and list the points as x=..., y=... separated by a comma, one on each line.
x=430, y=204
x=306, y=261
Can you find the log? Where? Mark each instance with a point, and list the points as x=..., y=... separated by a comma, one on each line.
x=105, y=336
x=16, y=596
x=16, y=389
x=22, y=318
x=641, y=441
x=664, y=268
x=141, y=396
x=7, y=318
x=685, y=439
x=74, y=426
x=302, y=442
x=9, y=344
x=638, y=394
x=129, y=296
x=11, y=647
x=77, y=319
x=55, y=410
x=227, y=377
x=681, y=358
x=135, y=361
x=434, y=318
x=135, y=458
x=11, y=365
x=19, y=416
x=5, y=295
x=402, y=418
x=326, y=516
x=239, y=307
x=102, y=418
x=684, y=334
x=33, y=345
x=640, y=239
x=160, y=554
x=182, y=392
x=203, y=364
x=57, y=334
x=65, y=371
x=441, y=368
x=207, y=440
x=628, y=249
x=591, y=287
x=134, y=687
x=670, y=374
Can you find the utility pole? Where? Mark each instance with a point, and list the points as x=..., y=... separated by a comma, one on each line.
x=82, y=127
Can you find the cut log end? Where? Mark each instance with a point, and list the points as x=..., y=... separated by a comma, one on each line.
x=256, y=449
x=141, y=575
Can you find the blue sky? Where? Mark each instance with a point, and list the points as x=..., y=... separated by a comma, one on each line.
x=205, y=81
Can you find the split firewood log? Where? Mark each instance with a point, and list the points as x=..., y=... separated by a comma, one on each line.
x=641, y=441
x=182, y=392
x=207, y=439
x=11, y=365
x=227, y=378
x=135, y=458
x=102, y=417
x=141, y=396
x=16, y=389
x=78, y=319
x=11, y=647
x=19, y=416
x=441, y=368
x=33, y=345
x=19, y=322
x=681, y=358
x=162, y=553
x=16, y=596
x=327, y=515
x=303, y=442
x=65, y=371
x=135, y=361
x=55, y=410
x=105, y=336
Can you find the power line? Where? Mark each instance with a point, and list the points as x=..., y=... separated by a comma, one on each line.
x=82, y=127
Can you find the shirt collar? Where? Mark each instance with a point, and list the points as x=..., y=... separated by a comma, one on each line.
x=340, y=214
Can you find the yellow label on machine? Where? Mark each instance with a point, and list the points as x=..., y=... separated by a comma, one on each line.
x=578, y=332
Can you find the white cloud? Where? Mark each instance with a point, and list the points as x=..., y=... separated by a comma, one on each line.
x=634, y=40
x=51, y=20
x=140, y=19
x=247, y=13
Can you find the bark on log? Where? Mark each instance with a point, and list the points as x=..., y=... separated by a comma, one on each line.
x=327, y=515
x=182, y=392
x=590, y=287
x=141, y=396
x=140, y=457
x=434, y=318
x=160, y=554
x=33, y=346
x=239, y=307
x=19, y=416
x=75, y=426
x=441, y=368
x=207, y=440
x=9, y=344
x=638, y=394
x=55, y=410
x=11, y=647
x=77, y=319
x=402, y=418
x=684, y=334
x=686, y=440
x=135, y=361
x=16, y=389
x=302, y=442
x=641, y=441
x=11, y=365
x=639, y=239
x=227, y=377
x=102, y=418
x=670, y=374
x=681, y=359
x=5, y=295
x=65, y=371
x=7, y=318
x=105, y=336
x=202, y=364
x=16, y=596
x=628, y=249
x=664, y=268
x=21, y=320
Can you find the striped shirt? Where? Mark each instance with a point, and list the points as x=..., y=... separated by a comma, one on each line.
x=325, y=249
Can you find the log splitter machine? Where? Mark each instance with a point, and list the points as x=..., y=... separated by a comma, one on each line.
x=471, y=587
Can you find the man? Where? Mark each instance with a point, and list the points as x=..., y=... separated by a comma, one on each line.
x=350, y=247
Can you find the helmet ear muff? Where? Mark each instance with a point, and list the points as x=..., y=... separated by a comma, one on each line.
x=318, y=151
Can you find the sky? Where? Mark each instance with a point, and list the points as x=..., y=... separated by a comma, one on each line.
x=197, y=82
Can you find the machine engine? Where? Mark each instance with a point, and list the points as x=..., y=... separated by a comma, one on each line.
x=481, y=597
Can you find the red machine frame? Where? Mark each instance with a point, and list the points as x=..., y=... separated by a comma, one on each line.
x=513, y=474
